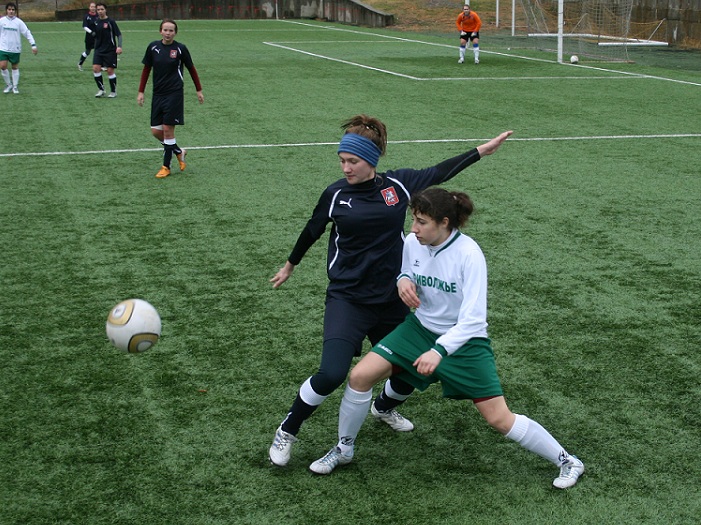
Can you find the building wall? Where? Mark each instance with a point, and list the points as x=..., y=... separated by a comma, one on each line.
x=683, y=16
x=346, y=11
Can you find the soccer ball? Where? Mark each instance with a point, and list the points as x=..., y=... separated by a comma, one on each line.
x=574, y=59
x=133, y=326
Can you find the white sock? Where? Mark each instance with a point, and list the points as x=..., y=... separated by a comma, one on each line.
x=308, y=395
x=6, y=77
x=15, y=77
x=476, y=51
x=532, y=436
x=462, y=52
x=354, y=408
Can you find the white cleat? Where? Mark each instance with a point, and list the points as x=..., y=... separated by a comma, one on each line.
x=281, y=449
x=477, y=60
x=461, y=60
x=15, y=90
x=7, y=89
x=394, y=419
x=113, y=94
x=570, y=471
x=99, y=94
x=333, y=458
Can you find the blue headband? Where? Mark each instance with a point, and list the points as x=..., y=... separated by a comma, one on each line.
x=358, y=145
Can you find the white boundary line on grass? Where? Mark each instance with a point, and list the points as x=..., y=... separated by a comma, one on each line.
x=313, y=144
x=626, y=74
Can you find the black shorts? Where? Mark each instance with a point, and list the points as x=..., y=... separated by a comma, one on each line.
x=105, y=59
x=89, y=42
x=168, y=110
x=468, y=36
x=353, y=322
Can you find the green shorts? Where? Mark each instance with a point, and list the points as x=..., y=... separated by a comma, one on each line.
x=12, y=58
x=469, y=373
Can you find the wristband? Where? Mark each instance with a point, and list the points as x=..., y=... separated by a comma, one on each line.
x=440, y=350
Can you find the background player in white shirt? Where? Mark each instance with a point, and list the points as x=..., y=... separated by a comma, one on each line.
x=444, y=276
x=11, y=28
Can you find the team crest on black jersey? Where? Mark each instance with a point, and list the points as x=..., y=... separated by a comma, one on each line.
x=390, y=196
x=173, y=53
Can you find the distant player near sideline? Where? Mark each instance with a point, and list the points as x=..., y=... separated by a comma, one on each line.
x=89, y=24
x=469, y=24
x=11, y=28
x=167, y=57
x=108, y=44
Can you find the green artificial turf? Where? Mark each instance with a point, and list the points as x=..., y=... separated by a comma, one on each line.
x=589, y=218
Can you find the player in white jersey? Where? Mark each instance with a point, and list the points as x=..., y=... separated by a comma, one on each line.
x=11, y=31
x=444, y=277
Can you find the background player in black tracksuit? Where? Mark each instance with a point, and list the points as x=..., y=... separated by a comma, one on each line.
x=167, y=57
x=89, y=25
x=367, y=211
x=108, y=44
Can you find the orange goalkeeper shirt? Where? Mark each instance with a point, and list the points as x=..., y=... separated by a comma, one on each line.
x=469, y=23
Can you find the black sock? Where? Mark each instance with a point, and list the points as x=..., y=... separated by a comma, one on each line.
x=167, y=154
x=113, y=85
x=384, y=403
x=100, y=85
x=299, y=413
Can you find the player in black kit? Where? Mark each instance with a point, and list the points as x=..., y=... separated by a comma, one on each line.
x=108, y=44
x=367, y=211
x=167, y=57
x=89, y=25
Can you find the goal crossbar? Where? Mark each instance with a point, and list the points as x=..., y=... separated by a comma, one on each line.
x=615, y=40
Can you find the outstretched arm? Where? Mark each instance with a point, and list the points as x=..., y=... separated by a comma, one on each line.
x=490, y=147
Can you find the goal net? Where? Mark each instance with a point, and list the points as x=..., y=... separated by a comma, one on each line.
x=599, y=30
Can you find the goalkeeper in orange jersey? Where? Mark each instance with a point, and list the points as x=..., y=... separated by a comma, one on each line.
x=469, y=24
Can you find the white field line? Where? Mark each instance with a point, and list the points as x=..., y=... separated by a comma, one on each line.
x=315, y=144
x=315, y=55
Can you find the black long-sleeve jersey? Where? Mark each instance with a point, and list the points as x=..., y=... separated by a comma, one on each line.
x=90, y=22
x=108, y=37
x=367, y=233
x=167, y=62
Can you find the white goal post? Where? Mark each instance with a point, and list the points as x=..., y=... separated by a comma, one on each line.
x=596, y=29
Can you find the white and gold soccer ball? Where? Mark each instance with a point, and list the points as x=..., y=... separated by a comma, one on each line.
x=574, y=59
x=133, y=326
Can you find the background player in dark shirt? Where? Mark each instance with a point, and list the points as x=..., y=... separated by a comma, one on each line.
x=108, y=44
x=89, y=25
x=367, y=211
x=167, y=57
